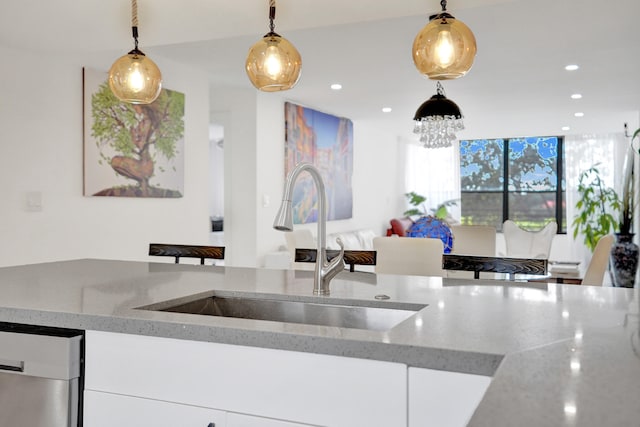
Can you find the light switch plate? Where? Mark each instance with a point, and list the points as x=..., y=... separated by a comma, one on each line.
x=33, y=201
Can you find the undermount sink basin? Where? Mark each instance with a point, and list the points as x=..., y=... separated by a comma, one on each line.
x=349, y=315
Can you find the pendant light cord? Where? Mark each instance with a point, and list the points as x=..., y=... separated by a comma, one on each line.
x=443, y=3
x=134, y=21
x=134, y=13
x=272, y=15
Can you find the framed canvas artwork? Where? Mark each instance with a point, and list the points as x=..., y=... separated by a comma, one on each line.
x=132, y=150
x=325, y=141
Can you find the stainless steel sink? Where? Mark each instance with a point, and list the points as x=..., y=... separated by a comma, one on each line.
x=312, y=313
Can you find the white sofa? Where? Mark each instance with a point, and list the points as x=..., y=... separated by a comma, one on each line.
x=303, y=238
x=352, y=240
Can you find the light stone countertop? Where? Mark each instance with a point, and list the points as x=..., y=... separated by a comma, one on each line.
x=559, y=354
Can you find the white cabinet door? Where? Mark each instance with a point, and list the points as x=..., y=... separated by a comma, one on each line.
x=443, y=399
x=242, y=420
x=302, y=387
x=111, y=410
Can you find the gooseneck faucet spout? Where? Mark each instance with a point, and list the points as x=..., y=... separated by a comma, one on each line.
x=324, y=271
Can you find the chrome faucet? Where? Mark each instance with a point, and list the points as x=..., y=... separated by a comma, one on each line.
x=324, y=271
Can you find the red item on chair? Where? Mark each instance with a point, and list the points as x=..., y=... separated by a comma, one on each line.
x=399, y=226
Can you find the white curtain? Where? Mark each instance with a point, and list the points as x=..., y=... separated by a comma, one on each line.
x=433, y=173
x=582, y=152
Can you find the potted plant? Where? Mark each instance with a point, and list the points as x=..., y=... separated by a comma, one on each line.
x=596, y=208
x=624, y=252
x=417, y=201
x=596, y=218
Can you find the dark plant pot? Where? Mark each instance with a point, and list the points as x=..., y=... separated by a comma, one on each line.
x=624, y=261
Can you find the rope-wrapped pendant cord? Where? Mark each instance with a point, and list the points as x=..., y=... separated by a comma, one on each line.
x=134, y=13
x=134, y=21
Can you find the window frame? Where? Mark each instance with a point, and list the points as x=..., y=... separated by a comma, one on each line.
x=560, y=210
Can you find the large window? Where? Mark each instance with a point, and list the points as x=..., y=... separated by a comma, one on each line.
x=521, y=179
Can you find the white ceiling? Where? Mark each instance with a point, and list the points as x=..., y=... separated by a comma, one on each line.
x=517, y=86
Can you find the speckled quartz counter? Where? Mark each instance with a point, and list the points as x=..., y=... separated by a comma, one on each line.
x=559, y=355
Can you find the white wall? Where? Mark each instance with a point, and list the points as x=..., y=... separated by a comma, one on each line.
x=378, y=180
x=216, y=170
x=41, y=137
x=378, y=177
x=41, y=140
x=269, y=172
x=254, y=174
x=235, y=109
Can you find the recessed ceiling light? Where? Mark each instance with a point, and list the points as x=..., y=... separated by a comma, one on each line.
x=571, y=67
x=386, y=109
x=566, y=128
x=579, y=114
x=336, y=86
x=576, y=96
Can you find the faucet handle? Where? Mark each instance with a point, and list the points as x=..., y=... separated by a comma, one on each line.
x=337, y=263
x=339, y=242
x=326, y=271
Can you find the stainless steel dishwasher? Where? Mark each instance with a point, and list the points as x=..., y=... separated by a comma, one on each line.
x=40, y=376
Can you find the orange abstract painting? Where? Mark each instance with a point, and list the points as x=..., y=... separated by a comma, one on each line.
x=326, y=141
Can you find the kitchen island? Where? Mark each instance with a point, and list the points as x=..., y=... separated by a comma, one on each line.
x=557, y=354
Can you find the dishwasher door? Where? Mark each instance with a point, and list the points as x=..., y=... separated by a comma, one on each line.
x=39, y=376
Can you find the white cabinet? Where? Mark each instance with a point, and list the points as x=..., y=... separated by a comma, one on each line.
x=443, y=399
x=140, y=380
x=241, y=420
x=302, y=388
x=109, y=410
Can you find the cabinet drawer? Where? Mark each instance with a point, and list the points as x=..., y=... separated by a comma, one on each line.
x=109, y=410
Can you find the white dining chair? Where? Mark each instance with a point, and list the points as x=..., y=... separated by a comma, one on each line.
x=415, y=256
x=594, y=275
x=479, y=240
x=522, y=243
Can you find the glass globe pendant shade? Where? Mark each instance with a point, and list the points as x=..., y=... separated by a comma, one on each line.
x=273, y=64
x=444, y=49
x=135, y=78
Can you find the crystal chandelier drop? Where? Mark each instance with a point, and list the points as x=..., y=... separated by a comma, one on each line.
x=437, y=120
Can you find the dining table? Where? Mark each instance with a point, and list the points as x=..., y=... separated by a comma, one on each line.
x=493, y=264
x=517, y=269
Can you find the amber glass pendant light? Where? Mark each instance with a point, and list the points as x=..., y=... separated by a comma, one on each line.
x=445, y=48
x=135, y=78
x=273, y=63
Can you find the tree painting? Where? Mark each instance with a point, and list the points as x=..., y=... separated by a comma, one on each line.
x=138, y=143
